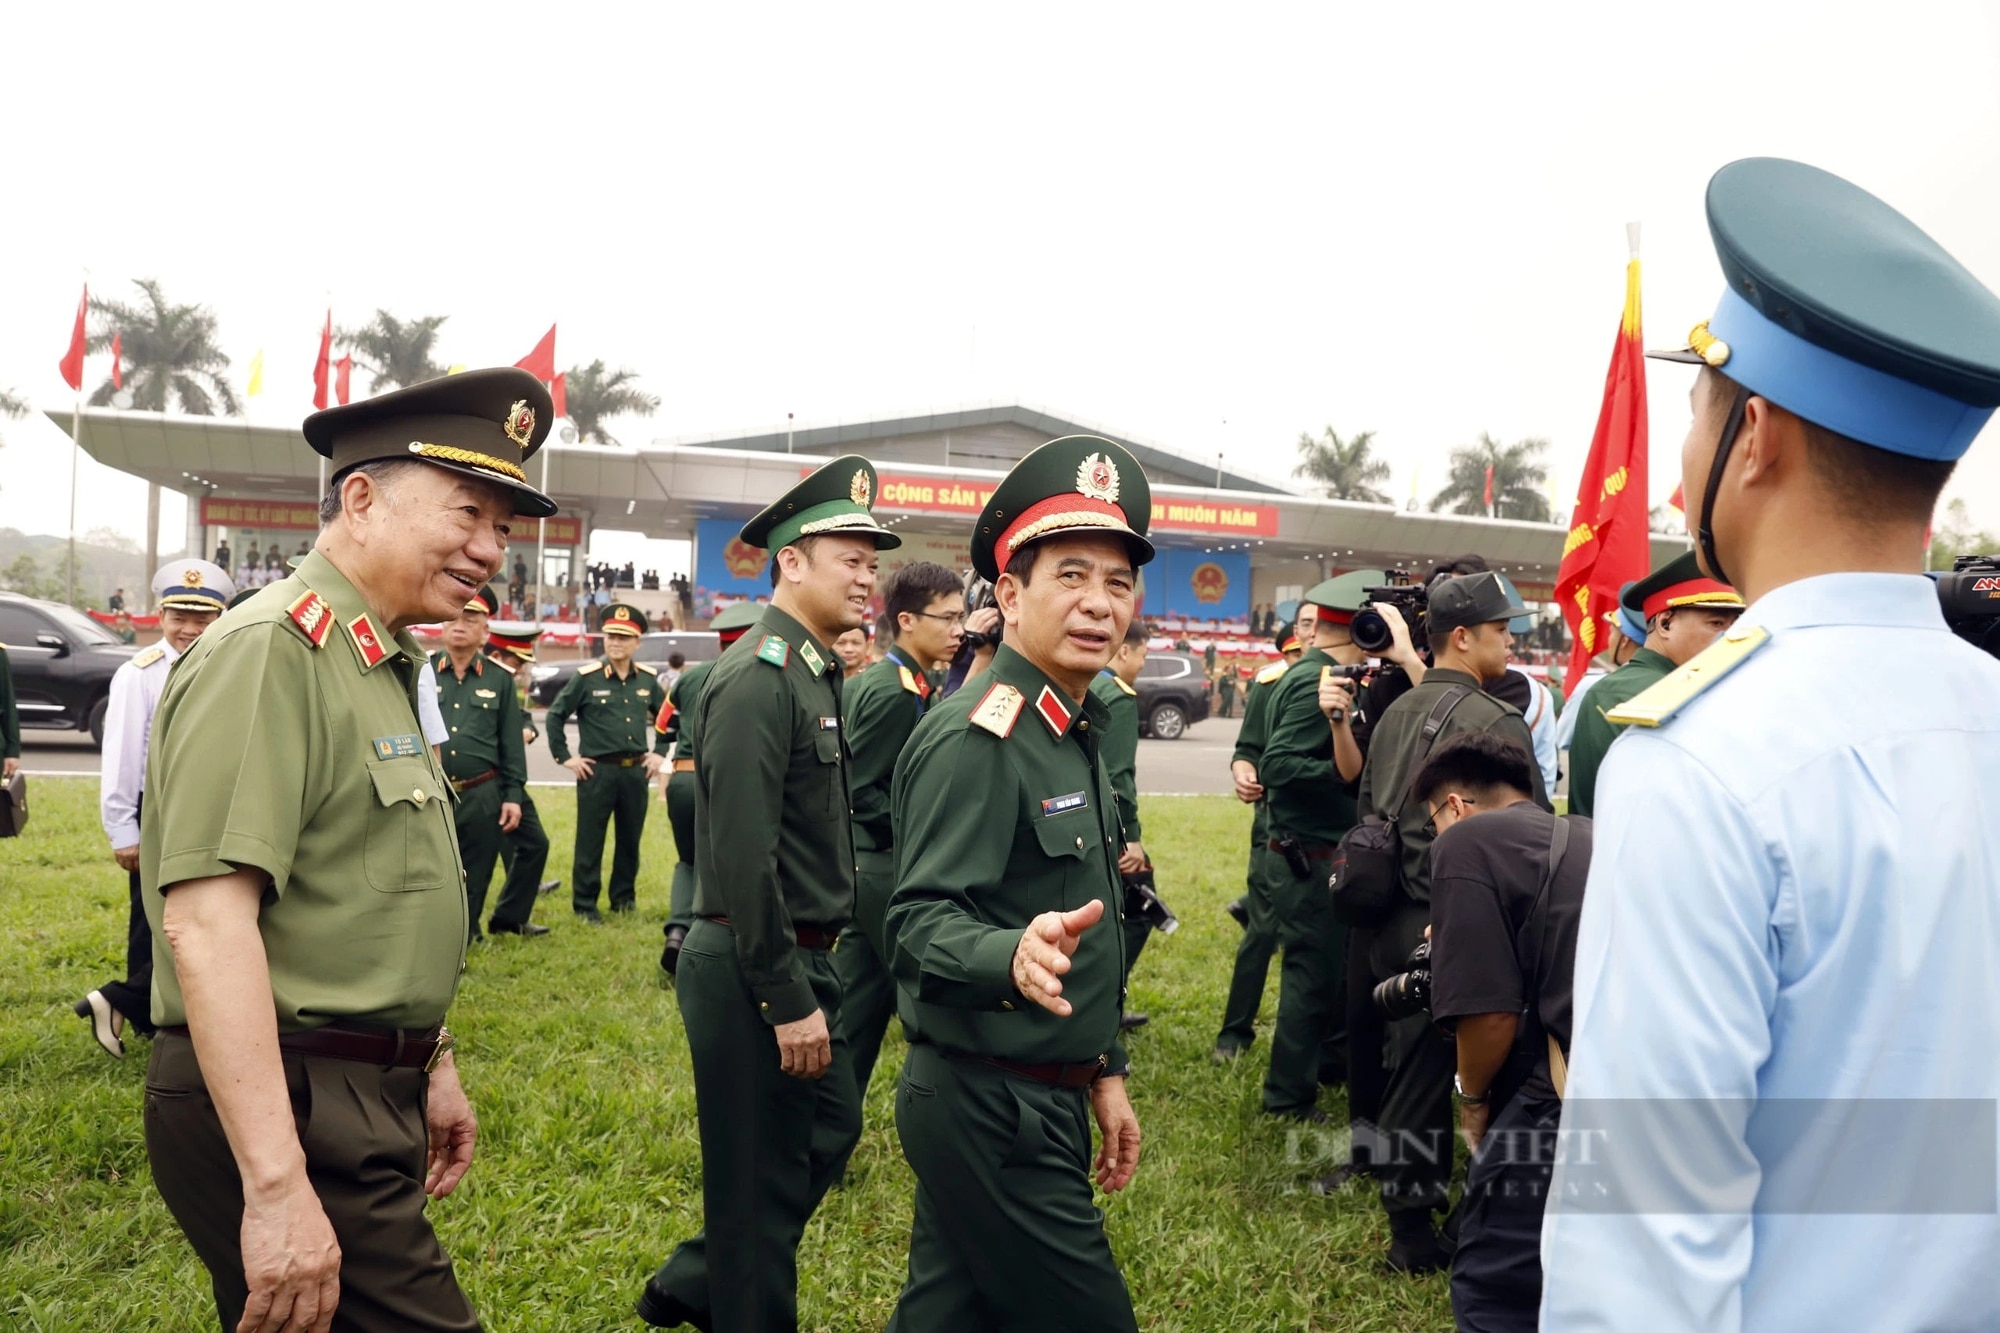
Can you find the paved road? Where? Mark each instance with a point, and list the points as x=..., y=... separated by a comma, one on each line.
x=1197, y=763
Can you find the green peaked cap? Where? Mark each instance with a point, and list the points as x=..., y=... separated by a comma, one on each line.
x=739, y=615
x=836, y=500
x=1076, y=485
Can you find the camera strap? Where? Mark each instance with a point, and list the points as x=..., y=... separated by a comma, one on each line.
x=1433, y=724
x=1534, y=937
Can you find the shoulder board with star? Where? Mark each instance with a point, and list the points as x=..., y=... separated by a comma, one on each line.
x=999, y=710
x=1123, y=688
x=1272, y=672
x=312, y=617
x=774, y=650
x=651, y=671
x=147, y=658
x=589, y=667
x=909, y=679
x=1657, y=703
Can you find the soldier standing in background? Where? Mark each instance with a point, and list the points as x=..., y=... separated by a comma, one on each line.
x=191, y=594
x=512, y=651
x=614, y=700
x=1119, y=748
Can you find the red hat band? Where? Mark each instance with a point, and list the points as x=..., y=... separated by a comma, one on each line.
x=1056, y=514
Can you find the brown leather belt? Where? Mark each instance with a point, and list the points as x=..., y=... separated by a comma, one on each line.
x=627, y=760
x=467, y=784
x=390, y=1048
x=1057, y=1075
x=683, y=765
x=808, y=937
x=1314, y=851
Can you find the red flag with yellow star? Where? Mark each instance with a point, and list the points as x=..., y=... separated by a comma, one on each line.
x=1609, y=544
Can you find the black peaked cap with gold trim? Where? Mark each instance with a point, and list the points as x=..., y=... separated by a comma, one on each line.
x=837, y=500
x=1078, y=484
x=483, y=423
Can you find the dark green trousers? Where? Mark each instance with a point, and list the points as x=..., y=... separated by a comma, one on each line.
x=680, y=814
x=1411, y=1148
x=867, y=990
x=525, y=853
x=769, y=1142
x=362, y=1128
x=1253, y=950
x=1311, y=1030
x=609, y=793
x=1007, y=1235
x=478, y=817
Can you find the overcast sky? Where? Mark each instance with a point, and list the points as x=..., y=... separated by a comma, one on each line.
x=1209, y=229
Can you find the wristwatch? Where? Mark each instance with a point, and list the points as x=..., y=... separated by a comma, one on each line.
x=1464, y=1098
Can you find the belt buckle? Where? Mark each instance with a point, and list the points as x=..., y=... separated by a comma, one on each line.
x=445, y=1042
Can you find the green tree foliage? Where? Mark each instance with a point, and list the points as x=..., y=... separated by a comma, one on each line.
x=168, y=352
x=1520, y=481
x=27, y=576
x=396, y=353
x=12, y=404
x=595, y=394
x=1956, y=536
x=1343, y=469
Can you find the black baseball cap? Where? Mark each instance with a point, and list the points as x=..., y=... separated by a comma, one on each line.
x=1471, y=599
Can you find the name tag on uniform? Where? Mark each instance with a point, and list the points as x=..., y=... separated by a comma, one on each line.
x=600, y=694
x=398, y=747
x=829, y=724
x=486, y=694
x=1057, y=805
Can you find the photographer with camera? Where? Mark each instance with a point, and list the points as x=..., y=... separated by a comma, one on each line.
x=1507, y=881
x=1387, y=900
x=1311, y=803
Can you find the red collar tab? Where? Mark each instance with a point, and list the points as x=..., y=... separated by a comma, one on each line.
x=367, y=641
x=1053, y=710
x=313, y=617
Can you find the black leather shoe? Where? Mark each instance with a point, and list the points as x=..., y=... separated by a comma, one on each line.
x=1336, y=1180
x=660, y=1310
x=620, y=909
x=105, y=1022
x=1239, y=912
x=1413, y=1244
x=509, y=928
x=1223, y=1055
x=593, y=916
x=1310, y=1116
x=548, y=886
x=1131, y=1019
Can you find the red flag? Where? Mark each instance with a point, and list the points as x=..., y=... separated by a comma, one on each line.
x=343, y=369
x=1678, y=500
x=325, y=359
x=1608, y=543
x=117, y=355
x=541, y=363
x=1489, y=488
x=560, y=392
x=72, y=363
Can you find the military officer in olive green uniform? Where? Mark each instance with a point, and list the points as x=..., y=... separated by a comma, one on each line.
x=923, y=619
x=524, y=850
x=614, y=700
x=1311, y=806
x=1119, y=746
x=1253, y=909
x=774, y=885
x=1004, y=931
x=678, y=734
x=310, y=912
x=1684, y=611
x=487, y=762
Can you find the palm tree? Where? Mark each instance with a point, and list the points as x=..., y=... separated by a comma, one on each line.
x=1519, y=480
x=12, y=404
x=396, y=353
x=166, y=350
x=594, y=394
x=1343, y=469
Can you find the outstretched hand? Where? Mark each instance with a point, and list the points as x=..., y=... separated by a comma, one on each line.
x=1042, y=956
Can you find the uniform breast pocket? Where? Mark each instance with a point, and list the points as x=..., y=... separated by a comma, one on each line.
x=1067, y=841
x=408, y=842
x=826, y=747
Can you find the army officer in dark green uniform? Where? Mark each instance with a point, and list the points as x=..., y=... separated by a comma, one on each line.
x=1116, y=688
x=676, y=735
x=309, y=914
x=774, y=886
x=525, y=850
x=1004, y=930
x=923, y=619
x=487, y=762
x=1684, y=611
x=614, y=700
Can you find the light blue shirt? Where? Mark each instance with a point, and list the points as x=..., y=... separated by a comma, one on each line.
x=1566, y=723
x=1794, y=894
x=1541, y=719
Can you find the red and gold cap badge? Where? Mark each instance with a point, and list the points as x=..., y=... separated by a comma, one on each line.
x=858, y=490
x=520, y=423
x=1097, y=478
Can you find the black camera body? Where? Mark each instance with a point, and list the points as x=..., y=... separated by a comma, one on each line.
x=1408, y=993
x=978, y=596
x=1969, y=596
x=1371, y=632
x=1143, y=903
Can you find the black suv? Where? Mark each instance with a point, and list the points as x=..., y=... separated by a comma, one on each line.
x=1173, y=695
x=545, y=678
x=62, y=661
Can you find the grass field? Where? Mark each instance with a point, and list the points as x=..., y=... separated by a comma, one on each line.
x=588, y=1167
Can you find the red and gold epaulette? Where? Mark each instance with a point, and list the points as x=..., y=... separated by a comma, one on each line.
x=999, y=710
x=313, y=617
x=912, y=682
